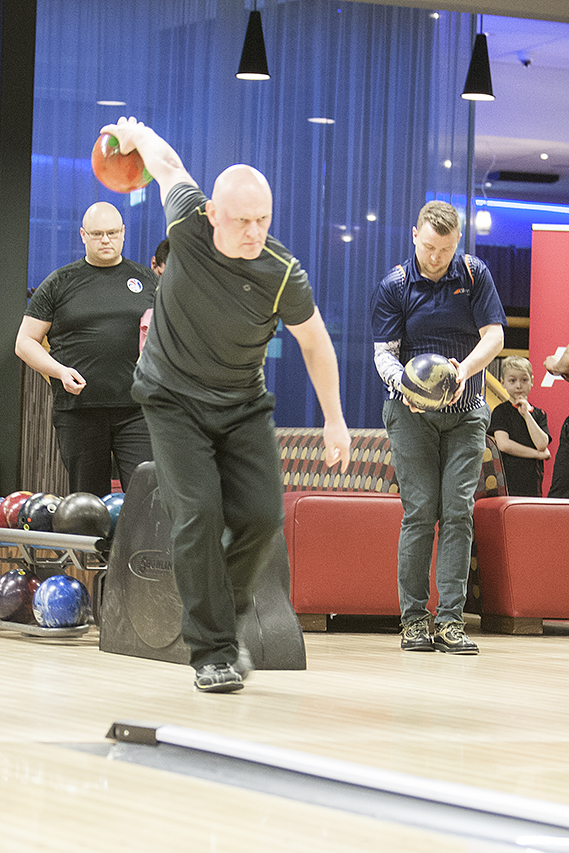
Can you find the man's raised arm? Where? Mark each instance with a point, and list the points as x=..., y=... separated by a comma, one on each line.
x=160, y=159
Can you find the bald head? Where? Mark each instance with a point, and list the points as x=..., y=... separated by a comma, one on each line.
x=103, y=234
x=240, y=211
x=101, y=212
x=240, y=182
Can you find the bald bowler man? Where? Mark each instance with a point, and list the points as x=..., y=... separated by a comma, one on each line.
x=201, y=384
x=90, y=312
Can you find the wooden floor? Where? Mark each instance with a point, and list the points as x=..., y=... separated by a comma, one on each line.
x=498, y=721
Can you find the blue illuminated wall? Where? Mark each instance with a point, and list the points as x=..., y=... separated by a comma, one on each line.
x=388, y=78
x=512, y=220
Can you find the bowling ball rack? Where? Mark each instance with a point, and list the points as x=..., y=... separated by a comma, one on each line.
x=70, y=550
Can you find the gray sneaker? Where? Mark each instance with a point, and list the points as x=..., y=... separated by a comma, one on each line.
x=218, y=678
x=450, y=637
x=415, y=636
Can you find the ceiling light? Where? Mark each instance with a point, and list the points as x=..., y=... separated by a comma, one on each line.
x=483, y=222
x=544, y=156
x=371, y=217
x=447, y=164
x=112, y=103
x=478, y=85
x=253, y=65
x=321, y=120
x=522, y=205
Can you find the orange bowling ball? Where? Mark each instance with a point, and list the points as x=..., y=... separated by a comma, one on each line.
x=121, y=173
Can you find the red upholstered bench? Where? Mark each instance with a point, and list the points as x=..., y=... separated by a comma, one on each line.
x=524, y=562
x=342, y=530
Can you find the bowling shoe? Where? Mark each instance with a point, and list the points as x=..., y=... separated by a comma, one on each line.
x=450, y=637
x=218, y=678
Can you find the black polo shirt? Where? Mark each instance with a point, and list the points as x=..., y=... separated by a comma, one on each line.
x=95, y=316
x=214, y=315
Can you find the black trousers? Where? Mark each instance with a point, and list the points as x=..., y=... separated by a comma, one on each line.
x=560, y=480
x=219, y=476
x=87, y=438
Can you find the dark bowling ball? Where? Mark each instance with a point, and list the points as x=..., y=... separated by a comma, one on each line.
x=11, y=507
x=61, y=602
x=17, y=588
x=38, y=511
x=114, y=502
x=82, y=514
x=429, y=381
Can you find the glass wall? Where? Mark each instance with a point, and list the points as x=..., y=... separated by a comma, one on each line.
x=382, y=82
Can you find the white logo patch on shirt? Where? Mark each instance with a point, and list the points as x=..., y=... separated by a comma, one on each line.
x=134, y=285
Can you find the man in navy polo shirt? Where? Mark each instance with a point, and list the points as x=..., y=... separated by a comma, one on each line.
x=444, y=303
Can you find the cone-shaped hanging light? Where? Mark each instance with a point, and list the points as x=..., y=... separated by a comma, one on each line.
x=253, y=65
x=478, y=86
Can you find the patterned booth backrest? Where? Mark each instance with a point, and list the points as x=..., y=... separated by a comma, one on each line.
x=370, y=469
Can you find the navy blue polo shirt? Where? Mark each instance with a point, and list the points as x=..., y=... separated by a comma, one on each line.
x=442, y=317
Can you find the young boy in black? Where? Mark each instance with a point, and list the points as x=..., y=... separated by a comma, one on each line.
x=520, y=430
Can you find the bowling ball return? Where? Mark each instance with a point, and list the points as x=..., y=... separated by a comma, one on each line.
x=141, y=609
x=69, y=550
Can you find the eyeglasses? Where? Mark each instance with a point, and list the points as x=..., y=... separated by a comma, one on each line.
x=98, y=235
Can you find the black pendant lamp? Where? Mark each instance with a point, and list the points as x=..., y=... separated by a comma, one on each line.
x=253, y=65
x=478, y=85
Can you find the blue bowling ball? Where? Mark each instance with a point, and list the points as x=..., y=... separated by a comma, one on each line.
x=61, y=602
x=37, y=512
x=114, y=502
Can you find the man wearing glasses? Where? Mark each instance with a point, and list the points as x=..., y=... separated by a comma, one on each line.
x=90, y=312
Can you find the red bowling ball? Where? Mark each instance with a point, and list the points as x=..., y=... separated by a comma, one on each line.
x=11, y=506
x=121, y=173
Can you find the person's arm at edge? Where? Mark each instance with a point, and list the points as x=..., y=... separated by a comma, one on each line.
x=30, y=349
x=322, y=366
x=160, y=159
x=557, y=366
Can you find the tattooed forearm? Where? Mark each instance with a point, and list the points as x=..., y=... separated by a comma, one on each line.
x=386, y=358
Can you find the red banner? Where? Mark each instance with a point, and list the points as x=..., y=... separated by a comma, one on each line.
x=549, y=327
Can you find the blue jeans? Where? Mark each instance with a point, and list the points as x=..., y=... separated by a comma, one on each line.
x=437, y=459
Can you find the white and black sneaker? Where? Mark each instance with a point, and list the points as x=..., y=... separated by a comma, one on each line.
x=218, y=678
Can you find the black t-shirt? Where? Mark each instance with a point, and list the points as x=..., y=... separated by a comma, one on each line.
x=95, y=316
x=523, y=475
x=214, y=315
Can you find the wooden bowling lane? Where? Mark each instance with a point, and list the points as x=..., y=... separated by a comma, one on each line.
x=497, y=721
x=58, y=800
